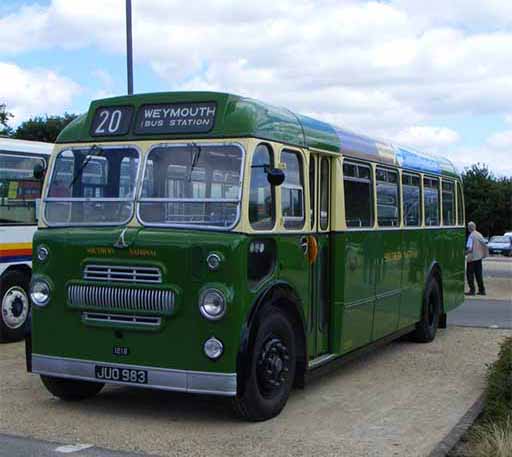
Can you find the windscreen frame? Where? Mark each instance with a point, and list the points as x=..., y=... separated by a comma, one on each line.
x=49, y=178
x=139, y=199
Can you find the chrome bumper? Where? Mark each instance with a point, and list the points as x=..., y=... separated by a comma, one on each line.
x=158, y=378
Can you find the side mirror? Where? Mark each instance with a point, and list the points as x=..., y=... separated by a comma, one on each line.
x=39, y=171
x=275, y=176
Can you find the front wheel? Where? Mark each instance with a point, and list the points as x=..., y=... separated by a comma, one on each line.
x=426, y=328
x=70, y=389
x=14, y=306
x=271, y=371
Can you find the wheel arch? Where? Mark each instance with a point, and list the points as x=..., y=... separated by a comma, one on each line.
x=282, y=295
x=20, y=267
x=435, y=272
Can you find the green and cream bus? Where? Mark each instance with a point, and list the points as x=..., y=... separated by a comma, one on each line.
x=225, y=246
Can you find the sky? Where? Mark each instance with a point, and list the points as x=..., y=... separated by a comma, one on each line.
x=436, y=75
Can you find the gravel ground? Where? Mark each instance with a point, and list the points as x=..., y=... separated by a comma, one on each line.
x=398, y=401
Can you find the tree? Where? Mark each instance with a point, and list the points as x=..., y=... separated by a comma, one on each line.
x=4, y=119
x=488, y=200
x=41, y=128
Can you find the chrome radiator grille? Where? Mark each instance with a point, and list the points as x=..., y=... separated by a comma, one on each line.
x=123, y=273
x=121, y=299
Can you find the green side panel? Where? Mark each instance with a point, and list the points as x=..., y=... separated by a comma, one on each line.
x=388, y=278
x=353, y=263
x=379, y=278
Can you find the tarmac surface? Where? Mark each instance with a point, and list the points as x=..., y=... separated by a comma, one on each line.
x=400, y=400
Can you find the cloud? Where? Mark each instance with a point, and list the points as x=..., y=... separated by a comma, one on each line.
x=394, y=69
x=35, y=91
x=501, y=140
x=430, y=138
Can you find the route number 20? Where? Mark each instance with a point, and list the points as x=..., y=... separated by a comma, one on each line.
x=112, y=124
x=112, y=121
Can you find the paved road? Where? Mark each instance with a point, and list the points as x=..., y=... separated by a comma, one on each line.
x=15, y=446
x=398, y=401
x=495, y=310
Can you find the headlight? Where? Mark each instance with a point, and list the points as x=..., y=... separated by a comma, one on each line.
x=212, y=304
x=213, y=348
x=42, y=253
x=40, y=293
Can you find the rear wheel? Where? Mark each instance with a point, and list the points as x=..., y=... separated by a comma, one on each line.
x=70, y=389
x=14, y=306
x=271, y=369
x=426, y=329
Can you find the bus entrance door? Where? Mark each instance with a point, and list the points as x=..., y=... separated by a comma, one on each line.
x=319, y=255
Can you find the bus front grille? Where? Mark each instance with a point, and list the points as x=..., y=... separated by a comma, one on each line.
x=154, y=301
x=121, y=273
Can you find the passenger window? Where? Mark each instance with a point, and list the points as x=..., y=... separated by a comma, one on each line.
x=358, y=195
x=261, y=199
x=460, y=205
x=388, y=200
x=411, y=189
x=312, y=174
x=292, y=191
x=431, y=193
x=324, y=193
x=448, y=203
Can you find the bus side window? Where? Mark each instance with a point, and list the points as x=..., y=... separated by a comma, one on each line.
x=431, y=195
x=261, y=198
x=460, y=205
x=292, y=191
x=312, y=196
x=324, y=193
x=448, y=203
x=412, y=200
x=358, y=195
x=388, y=200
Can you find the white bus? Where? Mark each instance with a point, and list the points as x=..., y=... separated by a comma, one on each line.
x=20, y=195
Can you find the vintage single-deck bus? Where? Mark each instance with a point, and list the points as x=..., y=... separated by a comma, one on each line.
x=20, y=194
x=233, y=248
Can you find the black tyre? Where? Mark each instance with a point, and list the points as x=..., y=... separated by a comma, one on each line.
x=271, y=368
x=71, y=389
x=14, y=306
x=426, y=328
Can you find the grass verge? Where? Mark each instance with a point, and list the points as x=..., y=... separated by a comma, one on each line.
x=491, y=436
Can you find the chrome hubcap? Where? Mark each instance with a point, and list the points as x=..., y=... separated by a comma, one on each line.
x=15, y=307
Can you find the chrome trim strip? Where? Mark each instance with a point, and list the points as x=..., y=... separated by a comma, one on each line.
x=121, y=298
x=124, y=319
x=362, y=301
x=158, y=378
x=321, y=360
x=122, y=273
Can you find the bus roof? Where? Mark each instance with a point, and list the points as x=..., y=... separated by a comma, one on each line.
x=220, y=115
x=30, y=147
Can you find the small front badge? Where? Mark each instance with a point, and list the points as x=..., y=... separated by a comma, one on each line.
x=120, y=351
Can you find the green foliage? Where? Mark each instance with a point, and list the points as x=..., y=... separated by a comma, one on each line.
x=488, y=200
x=498, y=405
x=41, y=128
x=4, y=119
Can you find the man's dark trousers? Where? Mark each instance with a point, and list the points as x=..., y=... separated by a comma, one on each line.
x=475, y=269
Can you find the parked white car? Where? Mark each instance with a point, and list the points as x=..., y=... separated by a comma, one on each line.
x=500, y=245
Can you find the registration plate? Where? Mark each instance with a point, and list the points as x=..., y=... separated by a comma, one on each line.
x=106, y=373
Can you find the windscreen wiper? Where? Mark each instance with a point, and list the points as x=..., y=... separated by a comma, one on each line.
x=95, y=151
x=195, y=158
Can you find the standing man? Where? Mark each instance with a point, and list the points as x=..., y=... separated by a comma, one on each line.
x=476, y=250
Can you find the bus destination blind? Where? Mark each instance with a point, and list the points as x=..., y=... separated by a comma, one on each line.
x=174, y=118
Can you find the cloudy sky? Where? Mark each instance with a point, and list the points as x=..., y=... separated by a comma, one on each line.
x=435, y=75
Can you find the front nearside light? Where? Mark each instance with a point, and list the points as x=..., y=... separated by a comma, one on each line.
x=212, y=304
x=42, y=253
x=40, y=293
